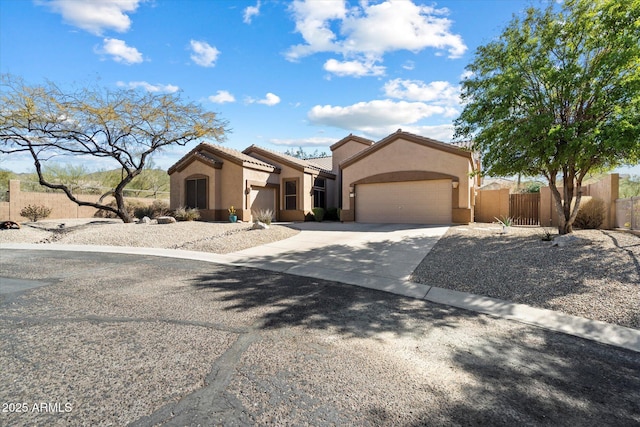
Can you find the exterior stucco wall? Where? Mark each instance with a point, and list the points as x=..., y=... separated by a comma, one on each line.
x=178, y=185
x=338, y=155
x=346, y=150
x=224, y=188
x=402, y=155
x=256, y=178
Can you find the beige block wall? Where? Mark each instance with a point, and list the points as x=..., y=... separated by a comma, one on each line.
x=404, y=155
x=60, y=205
x=491, y=204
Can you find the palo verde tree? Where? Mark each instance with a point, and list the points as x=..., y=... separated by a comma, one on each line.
x=123, y=126
x=558, y=95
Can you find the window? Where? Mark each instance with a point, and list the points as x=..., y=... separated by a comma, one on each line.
x=290, y=195
x=319, y=192
x=197, y=193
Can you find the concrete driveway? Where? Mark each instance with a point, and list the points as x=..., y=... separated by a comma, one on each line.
x=121, y=339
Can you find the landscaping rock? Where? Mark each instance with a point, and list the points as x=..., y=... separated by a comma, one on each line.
x=259, y=226
x=145, y=220
x=166, y=220
x=567, y=240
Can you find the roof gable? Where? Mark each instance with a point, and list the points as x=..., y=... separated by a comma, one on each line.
x=214, y=155
x=428, y=142
x=351, y=137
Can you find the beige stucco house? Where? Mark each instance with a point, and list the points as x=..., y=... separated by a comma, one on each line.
x=403, y=178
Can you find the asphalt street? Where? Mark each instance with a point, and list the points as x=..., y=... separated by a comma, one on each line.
x=115, y=339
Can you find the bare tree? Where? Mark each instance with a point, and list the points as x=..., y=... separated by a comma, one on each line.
x=123, y=126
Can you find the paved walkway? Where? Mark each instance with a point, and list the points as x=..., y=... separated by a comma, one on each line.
x=380, y=257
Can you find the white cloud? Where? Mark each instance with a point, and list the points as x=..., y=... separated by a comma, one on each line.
x=96, y=16
x=304, y=142
x=353, y=68
x=370, y=31
x=442, y=133
x=440, y=92
x=120, y=52
x=373, y=114
x=203, y=54
x=221, y=97
x=150, y=87
x=250, y=12
x=270, y=99
x=409, y=65
x=313, y=23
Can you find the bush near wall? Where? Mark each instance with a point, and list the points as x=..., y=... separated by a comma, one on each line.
x=591, y=214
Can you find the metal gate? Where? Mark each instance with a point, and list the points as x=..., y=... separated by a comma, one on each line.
x=525, y=208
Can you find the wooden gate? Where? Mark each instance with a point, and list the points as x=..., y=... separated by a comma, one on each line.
x=525, y=208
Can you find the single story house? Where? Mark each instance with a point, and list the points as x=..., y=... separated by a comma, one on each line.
x=403, y=178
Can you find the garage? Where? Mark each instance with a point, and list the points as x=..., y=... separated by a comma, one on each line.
x=263, y=198
x=406, y=202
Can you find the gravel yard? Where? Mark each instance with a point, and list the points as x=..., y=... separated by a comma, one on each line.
x=597, y=279
x=220, y=238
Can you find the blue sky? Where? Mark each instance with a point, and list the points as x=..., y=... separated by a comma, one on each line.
x=284, y=74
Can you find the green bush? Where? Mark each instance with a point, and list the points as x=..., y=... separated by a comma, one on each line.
x=590, y=215
x=35, y=212
x=318, y=214
x=331, y=214
x=263, y=215
x=186, y=214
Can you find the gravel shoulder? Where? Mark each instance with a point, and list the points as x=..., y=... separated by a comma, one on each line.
x=599, y=278
x=214, y=237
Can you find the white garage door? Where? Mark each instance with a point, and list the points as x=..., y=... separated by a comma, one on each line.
x=410, y=202
x=263, y=198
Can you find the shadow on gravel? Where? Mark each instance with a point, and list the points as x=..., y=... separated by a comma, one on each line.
x=549, y=381
x=527, y=270
x=293, y=301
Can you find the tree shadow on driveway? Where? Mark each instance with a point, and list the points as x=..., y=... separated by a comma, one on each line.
x=315, y=304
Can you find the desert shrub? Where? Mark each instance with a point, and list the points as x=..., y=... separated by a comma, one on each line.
x=263, y=215
x=331, y=214
x=590, y=215
x=35, y=212
x=186, y=214
x=130, y=205
x=318, y=214
x=154, y=210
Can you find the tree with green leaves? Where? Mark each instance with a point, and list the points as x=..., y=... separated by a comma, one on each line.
x=123, y=126
x=301, y=154
x=557, y=94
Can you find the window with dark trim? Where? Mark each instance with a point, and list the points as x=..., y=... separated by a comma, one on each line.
x=196, y=193
x=319, y=193
x=290, y=195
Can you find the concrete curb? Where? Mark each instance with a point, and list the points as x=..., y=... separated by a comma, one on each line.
x=602, y=332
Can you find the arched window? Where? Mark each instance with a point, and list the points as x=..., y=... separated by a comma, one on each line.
x=196, y=193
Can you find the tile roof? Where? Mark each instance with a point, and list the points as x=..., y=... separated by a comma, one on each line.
x=286, y=158
x=208, y=152
x=324, y=162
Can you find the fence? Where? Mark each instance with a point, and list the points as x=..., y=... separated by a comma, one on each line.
x=525, y=208
x=61, y=206
x=628, y=213
x=492, y=204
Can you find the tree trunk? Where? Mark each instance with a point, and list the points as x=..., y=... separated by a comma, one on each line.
x=566, y=214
